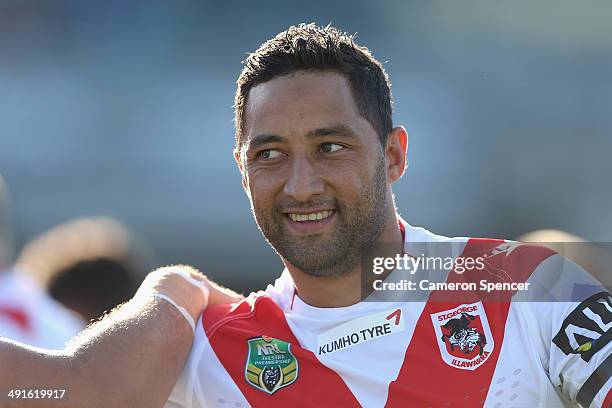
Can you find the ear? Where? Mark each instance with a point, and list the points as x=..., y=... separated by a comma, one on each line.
x=239, y=162
x=395, y=153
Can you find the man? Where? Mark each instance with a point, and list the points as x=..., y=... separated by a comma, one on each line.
x=318, y=156
x=29, y=315
x=88, y=264
x=131, y=358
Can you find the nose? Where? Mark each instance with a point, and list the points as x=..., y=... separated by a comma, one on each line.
x=303, y=181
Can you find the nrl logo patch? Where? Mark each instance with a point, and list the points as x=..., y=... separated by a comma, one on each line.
x=464, y=336
x=270, y=364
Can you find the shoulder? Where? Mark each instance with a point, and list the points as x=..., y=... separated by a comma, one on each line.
x=514, y=260
x=243, y=314
x=507, y=253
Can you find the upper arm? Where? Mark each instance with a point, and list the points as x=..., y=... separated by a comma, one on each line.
x=581, y=350
x=572, y=328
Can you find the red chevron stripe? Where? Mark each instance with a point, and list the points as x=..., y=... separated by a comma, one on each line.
x=228, y=332
x=425, y=380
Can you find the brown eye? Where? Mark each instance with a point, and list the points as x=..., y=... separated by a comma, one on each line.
x=269, y=154
x=330, y=147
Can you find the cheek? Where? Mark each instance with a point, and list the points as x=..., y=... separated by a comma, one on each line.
x=263, y=187
x=348, y=178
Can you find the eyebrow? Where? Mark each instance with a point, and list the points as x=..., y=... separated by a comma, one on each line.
x=264, y=139
x=338, y=130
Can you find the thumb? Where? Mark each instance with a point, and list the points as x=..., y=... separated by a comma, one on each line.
x=221, y=295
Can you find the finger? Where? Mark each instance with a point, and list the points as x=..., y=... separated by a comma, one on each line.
x=221, y=295
x=196, y=279
x=181, y=286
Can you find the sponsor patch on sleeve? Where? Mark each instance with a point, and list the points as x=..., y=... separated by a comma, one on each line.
x=588, y=328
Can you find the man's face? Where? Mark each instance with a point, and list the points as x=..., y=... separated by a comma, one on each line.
x=314, y=171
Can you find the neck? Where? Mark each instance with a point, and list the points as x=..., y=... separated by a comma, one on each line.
x=345, y=290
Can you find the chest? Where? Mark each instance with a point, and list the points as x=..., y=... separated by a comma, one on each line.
x=359, y=363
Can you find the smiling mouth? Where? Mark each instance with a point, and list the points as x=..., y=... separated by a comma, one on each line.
x=313, y=216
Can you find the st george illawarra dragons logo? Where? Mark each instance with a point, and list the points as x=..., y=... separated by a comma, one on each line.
x=459, y=335
x=463, y=336
x=270, y=364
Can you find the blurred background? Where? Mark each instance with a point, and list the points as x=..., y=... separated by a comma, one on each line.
x=124, y=110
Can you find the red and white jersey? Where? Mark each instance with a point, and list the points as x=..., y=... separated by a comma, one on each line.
x=30, y=316
x=274, y=350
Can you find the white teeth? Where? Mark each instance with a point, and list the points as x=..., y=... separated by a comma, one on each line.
x=311, y=217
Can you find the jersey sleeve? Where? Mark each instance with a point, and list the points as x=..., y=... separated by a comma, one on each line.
x=204, y=381
x=571, y=324
x=178, y=397
x=182, y=393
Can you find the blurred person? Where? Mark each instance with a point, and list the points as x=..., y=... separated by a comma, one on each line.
x=27, y=313
x=90, y=264
x=130, y=358
x=318, y=154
